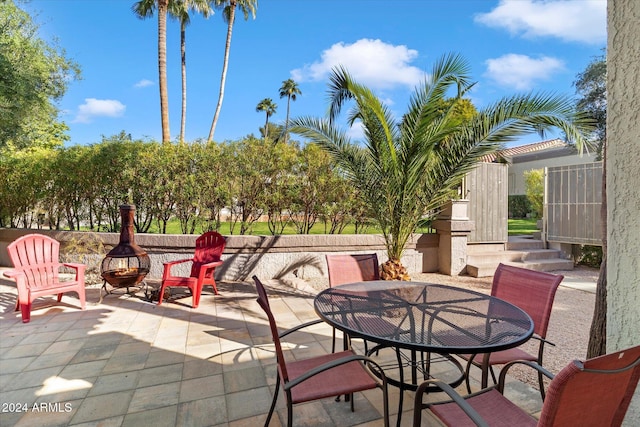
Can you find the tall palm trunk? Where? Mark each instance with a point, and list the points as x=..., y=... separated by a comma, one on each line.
x=183, y=58
x=286, y=122
x=162, y=68
x=232, y=15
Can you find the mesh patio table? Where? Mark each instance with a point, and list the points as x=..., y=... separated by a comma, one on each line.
x=425, y=319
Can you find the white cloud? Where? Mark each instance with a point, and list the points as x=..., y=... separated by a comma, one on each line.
x=373, y=63
x=520, y=71
x=579, y=21
x=143, y=83
x=98, y=108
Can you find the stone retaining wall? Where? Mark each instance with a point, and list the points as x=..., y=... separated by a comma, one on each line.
x=302, y=256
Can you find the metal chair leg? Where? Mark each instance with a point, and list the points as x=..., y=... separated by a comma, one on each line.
x=273, y=402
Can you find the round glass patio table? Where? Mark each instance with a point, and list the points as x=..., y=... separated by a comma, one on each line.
x=423, y=318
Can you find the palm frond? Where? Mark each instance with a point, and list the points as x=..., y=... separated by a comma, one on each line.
x=408, y=167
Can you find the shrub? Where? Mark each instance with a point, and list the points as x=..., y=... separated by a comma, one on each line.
x=519, y=206
x=591, y=256
x=534, y=181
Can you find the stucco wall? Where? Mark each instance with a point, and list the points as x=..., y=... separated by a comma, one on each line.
x=623, y=176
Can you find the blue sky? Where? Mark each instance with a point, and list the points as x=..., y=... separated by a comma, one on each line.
x=513, y=47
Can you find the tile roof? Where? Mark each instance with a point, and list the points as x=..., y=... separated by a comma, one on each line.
x=524, y=149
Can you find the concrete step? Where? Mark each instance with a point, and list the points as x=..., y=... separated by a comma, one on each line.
x=489, y=268
x=517, y=243
x=521, y=251
x=513, y=256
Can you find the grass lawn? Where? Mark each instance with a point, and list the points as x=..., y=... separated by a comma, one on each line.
x=522, y=226
x=262, y=229
x=516, y=226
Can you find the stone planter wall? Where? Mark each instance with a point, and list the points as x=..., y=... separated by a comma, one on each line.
x=265, y=256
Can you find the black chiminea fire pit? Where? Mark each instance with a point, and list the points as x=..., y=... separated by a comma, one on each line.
x=127, y=264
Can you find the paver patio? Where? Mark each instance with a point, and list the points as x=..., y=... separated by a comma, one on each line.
x=128, y=362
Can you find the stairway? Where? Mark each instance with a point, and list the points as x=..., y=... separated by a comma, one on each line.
x=519, y=251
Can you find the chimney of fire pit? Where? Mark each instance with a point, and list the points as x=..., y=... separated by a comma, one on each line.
x=127, y=246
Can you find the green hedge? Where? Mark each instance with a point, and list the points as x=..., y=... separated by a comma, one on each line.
x=519, y=206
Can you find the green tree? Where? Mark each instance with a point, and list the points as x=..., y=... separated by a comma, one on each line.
x=25, y=183
x=253, y=170
x=145, y=9
x=269, y=107
x=248, y=7
x=180, y=9
x=280, y=182
x=338, y=201
x=312, y=183
x=33, y=76
x=534, y=183
x=591, y=87
x=289, y=90
x=116, y=170
x=214, y=178
x=405, y=169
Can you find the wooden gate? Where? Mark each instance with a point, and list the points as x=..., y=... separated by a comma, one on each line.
x=486, y=188
x=572, y=200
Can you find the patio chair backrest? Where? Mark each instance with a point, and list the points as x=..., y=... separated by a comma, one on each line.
x=209, y=248
x=37, y=256
x=352, y=268
x=531, y=291
x=263, y=301
x=596, y=392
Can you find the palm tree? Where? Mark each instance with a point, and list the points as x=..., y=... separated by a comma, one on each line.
x=269, y=107
x=289, y=89
x=180, y=9
x=229, y=14
x=144, y=9
x=406, y=168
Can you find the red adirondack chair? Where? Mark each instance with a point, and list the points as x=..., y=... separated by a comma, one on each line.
x=35, y=259
x=207, y=257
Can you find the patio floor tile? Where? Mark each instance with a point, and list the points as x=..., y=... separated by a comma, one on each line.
x=127, y=362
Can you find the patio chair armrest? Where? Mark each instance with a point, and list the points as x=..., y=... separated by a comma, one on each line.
x=544, y=340
x=75, y=265
x=178, y=261
x=505, y=369
x=329, y=365
x=297, y=328
x=210, y=265
x=21, y=282
x=455, y=397
x=167, y=265
x=15, y=274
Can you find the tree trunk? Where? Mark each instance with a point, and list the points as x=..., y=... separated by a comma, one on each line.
x=225, y=65
x=183, y=60
x=162, y=69
x=286, y=122
x=598, y=333
x=394, y=270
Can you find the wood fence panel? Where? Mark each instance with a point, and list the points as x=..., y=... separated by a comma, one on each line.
x=573, y=195
x=486, y=188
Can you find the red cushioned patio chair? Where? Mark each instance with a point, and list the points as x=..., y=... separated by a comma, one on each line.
x=207, y=257
x=350, y=269
x=333, y=374
x=593, y=393
x=35, y=259
x=533, y=292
